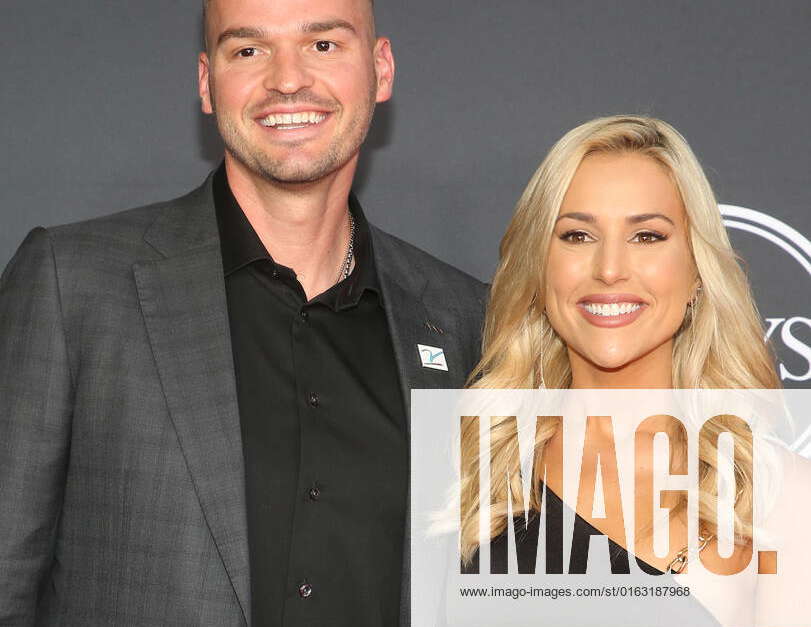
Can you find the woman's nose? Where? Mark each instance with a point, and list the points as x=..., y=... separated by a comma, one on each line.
x=611, y=262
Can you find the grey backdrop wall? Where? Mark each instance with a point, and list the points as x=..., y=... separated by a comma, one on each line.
x=100, y=113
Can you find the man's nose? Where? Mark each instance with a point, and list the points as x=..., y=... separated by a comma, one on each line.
x=611, y=262
x=288, y=73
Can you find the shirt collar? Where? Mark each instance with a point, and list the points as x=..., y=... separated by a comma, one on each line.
x=241, y=246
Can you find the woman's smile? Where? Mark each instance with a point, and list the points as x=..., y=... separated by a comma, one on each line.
x=611, y=310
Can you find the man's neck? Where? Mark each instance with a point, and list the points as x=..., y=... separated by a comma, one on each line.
x=304, y=226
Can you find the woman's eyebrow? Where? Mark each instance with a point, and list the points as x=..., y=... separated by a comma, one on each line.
x=635, y=219
x=577, y=215
x=644, y=217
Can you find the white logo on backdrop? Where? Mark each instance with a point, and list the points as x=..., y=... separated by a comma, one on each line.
x=798, y=247
x=771, y=229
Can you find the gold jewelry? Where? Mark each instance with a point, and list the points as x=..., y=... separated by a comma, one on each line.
x=679, y=563
x=694, y=300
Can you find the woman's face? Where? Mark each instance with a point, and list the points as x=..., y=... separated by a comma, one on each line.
x=620, y=272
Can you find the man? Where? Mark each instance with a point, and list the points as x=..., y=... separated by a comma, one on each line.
x=204, y=402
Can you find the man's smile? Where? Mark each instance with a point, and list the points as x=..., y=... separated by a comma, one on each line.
x=289, y=121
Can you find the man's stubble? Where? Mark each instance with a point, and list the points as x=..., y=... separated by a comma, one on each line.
x=339, y=152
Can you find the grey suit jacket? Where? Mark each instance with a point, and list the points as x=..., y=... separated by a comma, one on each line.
x=121, y=472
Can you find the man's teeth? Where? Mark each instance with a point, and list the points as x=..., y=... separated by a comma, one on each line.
x=285, y=119
x=611, y=309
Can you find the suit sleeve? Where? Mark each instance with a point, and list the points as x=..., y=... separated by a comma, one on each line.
x=35, y=414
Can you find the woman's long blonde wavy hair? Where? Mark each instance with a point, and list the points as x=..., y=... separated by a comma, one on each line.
x=719, y=345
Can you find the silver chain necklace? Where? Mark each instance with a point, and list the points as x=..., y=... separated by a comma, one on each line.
x=350, y=251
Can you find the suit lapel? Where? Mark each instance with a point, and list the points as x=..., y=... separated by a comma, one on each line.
x=411, y=322
x=184, y=307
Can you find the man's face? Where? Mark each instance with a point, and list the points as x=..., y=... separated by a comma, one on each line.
x=293, y=83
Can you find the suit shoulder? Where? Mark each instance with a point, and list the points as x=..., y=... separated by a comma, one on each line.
x=126, y=224
x=118, y=235
x=435, y=269
x=109, y=231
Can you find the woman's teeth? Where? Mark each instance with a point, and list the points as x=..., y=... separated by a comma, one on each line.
x=297, y=120
x=611, y=309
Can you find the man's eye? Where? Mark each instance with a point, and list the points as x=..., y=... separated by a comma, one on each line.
x=246, y=53
x=648, y=237
x=575, y=237
x=324, y=46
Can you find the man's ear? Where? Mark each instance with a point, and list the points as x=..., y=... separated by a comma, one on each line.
x=384, y=68
x=203, y=68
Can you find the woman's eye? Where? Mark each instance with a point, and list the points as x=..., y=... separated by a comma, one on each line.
x=648, y=237
x=576, y=237
x=324, y=46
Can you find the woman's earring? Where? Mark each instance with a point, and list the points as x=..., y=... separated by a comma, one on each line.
x=694, y=300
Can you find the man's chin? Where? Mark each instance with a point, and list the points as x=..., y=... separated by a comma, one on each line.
x=288, y=171
x=294, y=176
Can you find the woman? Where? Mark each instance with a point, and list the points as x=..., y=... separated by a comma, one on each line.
x=616, y=272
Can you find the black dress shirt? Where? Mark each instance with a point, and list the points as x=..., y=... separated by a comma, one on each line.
x=323, y=431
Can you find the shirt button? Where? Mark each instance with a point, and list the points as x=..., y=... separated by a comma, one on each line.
x=313, y=399
x=305, y=590
x=315, y=493
x=275, y=273
x=304, y=316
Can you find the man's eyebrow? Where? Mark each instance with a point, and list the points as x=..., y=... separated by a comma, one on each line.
x=242, y=32
x=250, y=32
x=328, y=25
